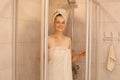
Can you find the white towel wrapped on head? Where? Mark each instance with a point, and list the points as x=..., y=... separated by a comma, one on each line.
x=111, y=58
x=63, y=12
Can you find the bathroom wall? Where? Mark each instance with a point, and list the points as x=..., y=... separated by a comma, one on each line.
x=108, y=20
x=28, y=40
x=6, y=40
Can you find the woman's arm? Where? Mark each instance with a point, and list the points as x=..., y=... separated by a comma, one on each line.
x=77, y=55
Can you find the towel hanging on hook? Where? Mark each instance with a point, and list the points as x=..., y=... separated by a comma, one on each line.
x=111, y=58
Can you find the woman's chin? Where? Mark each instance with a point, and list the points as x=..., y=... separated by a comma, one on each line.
x=60, y=30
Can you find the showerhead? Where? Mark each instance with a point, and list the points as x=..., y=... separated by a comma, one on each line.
x=71, y=1
x=71, y=4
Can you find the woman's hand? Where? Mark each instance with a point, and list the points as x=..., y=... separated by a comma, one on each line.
x=77, y=55
x=81, y=52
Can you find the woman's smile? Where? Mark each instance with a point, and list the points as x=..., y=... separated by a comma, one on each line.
x=59, y=23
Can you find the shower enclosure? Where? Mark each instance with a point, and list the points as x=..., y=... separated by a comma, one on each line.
x=26, y=24
x=32, y=27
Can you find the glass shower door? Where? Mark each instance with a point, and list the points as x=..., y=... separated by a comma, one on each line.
x=28, y=40
x=76, y=30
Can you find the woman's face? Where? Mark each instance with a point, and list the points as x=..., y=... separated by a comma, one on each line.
x=59, y=23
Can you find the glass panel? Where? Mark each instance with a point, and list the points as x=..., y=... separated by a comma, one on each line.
x=76, y=30
x=79, y=37
x=28, y=38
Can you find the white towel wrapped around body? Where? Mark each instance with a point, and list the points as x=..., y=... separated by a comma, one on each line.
x=111, y=58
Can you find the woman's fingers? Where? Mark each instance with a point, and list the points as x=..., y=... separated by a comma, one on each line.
x=82, y=52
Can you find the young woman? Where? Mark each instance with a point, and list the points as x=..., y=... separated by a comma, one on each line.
x=59, y=45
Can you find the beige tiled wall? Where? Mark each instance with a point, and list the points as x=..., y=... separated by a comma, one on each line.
x=109, y=21
x=6, y=40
